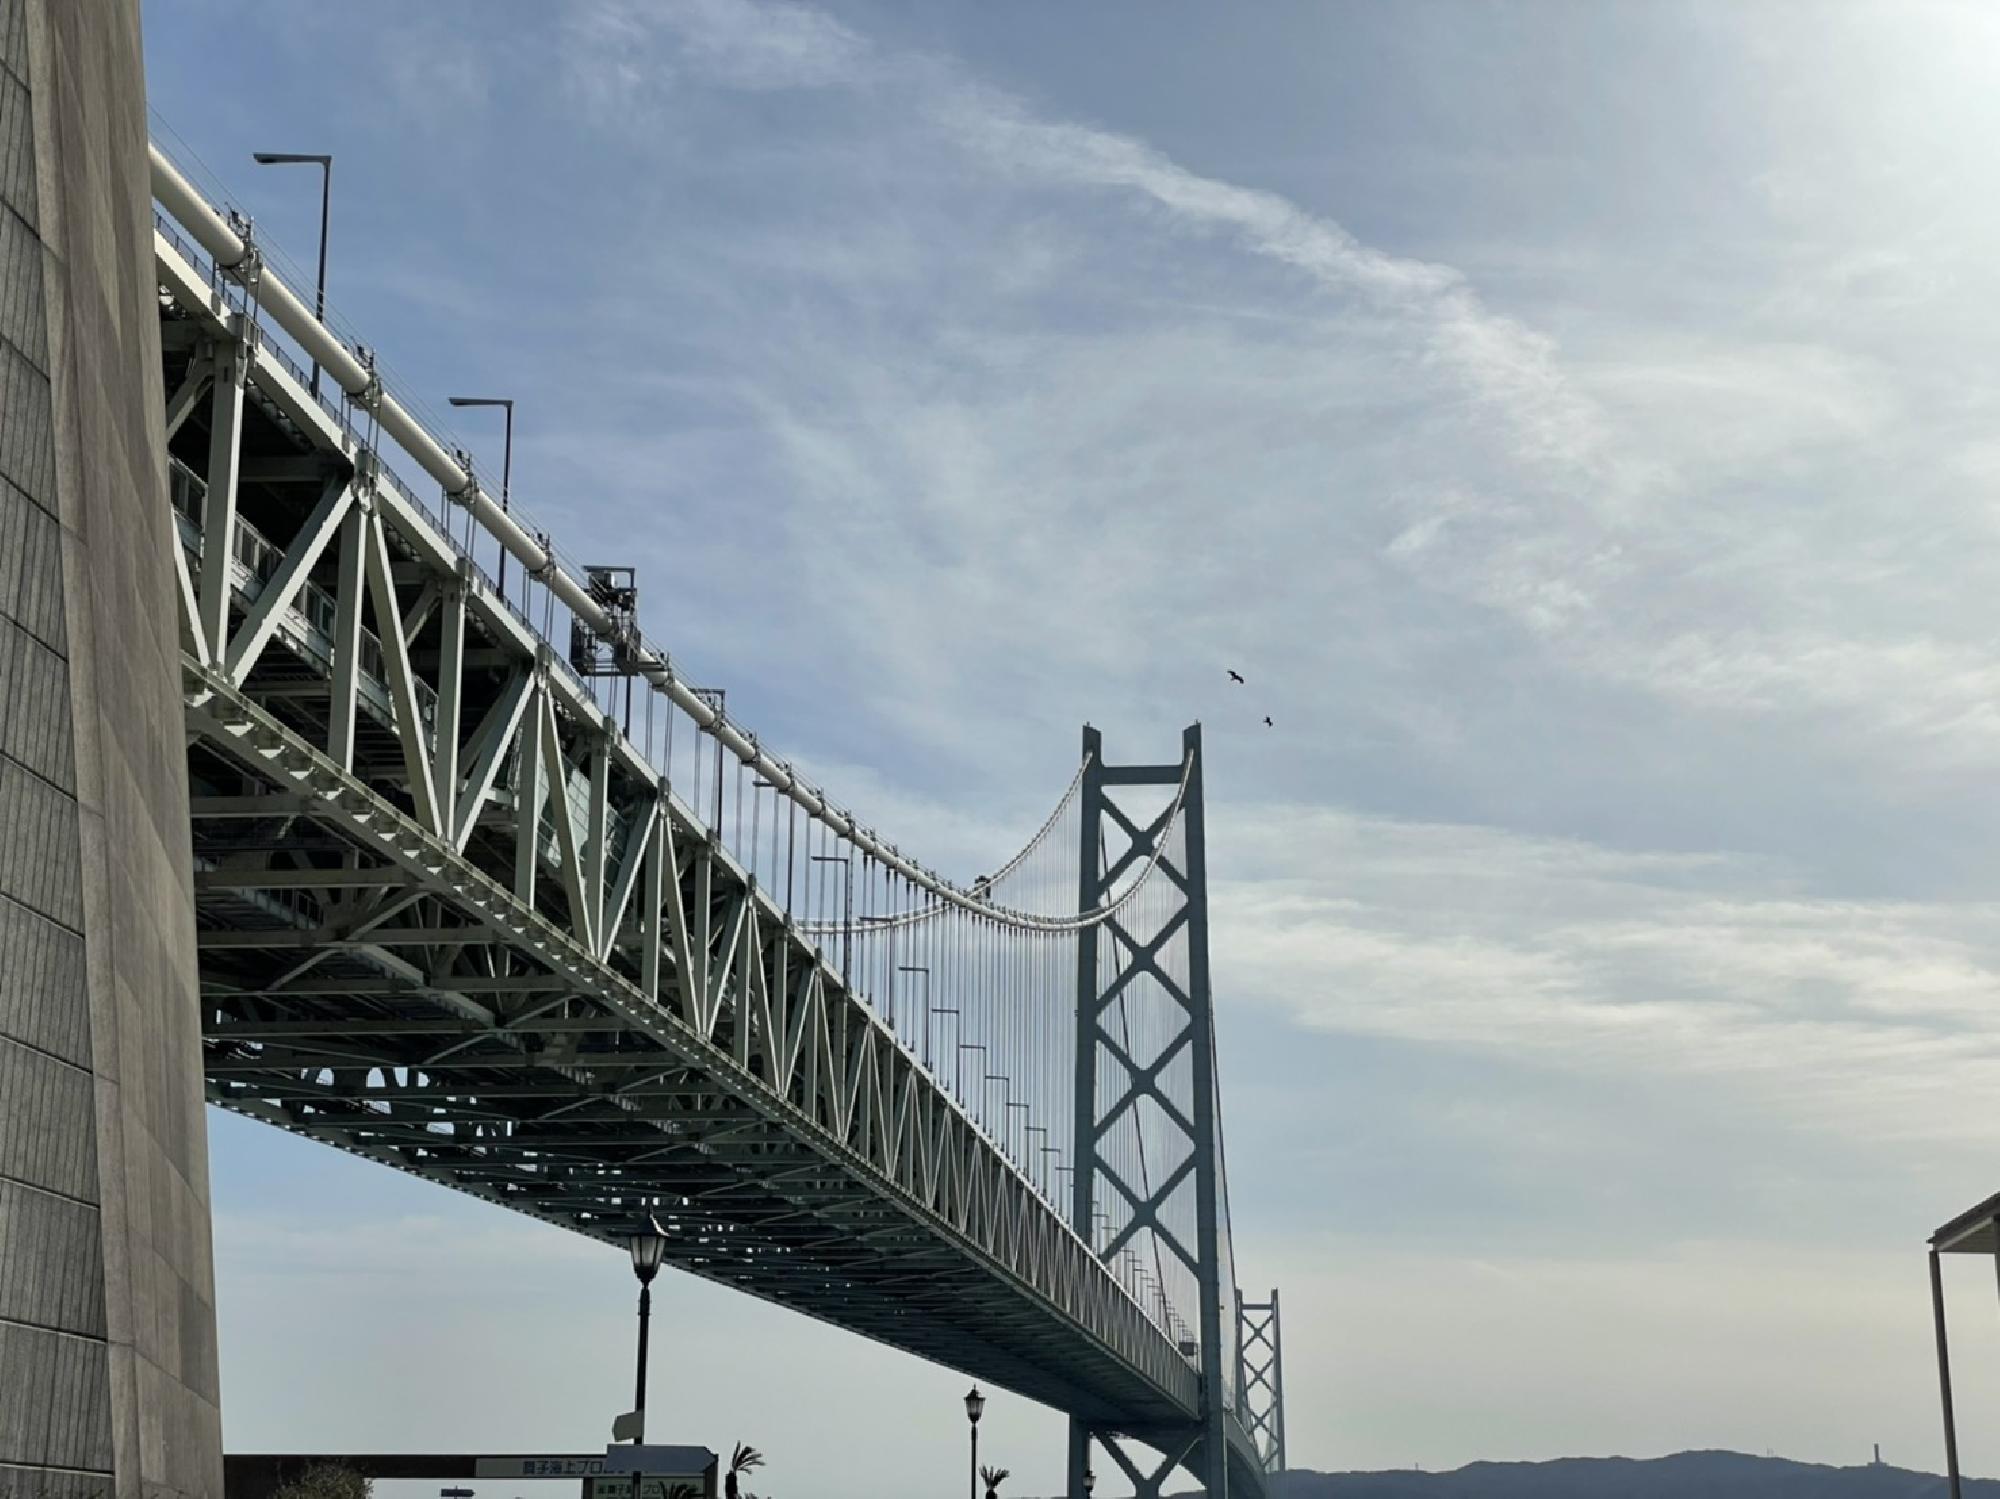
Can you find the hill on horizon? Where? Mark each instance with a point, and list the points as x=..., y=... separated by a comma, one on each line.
x=1711, y=1475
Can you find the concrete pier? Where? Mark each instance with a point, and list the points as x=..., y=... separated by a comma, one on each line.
x=108, y=1379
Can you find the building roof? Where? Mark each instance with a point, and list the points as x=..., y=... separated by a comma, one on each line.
x=1972, y=1231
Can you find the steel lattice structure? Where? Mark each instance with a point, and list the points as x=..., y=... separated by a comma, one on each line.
x=454, y=919
x=1262, y=1379
x=1156, y=1086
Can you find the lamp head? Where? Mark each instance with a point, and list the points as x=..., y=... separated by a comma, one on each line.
x=649, y=1248
x=975, y=1404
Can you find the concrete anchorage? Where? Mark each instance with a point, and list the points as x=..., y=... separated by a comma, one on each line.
x=108, y=1382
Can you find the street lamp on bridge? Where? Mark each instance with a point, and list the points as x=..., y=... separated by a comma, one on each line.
x=506, y=403
x=1037, y=1158
x=1006, y=1097
x=924, y=969
x=935, y=1056
x=325, y=164
x=963, y=1047
x=847, y=913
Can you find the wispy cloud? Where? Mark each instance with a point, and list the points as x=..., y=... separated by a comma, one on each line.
x=620, y=50
x=1864, y=1021
x=1589, y=504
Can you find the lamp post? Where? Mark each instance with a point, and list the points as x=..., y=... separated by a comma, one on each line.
x=717, y=699
x=936, y=1060
x=1006, y=1097
x=761, y=784
x=1008, y=1129
x=847, y=914
x=975, y=1403
x=506, y=462
x=325, y=164
x=964, y=1046
x=649, y=1247
x=1036, y=1162
x=924, y=969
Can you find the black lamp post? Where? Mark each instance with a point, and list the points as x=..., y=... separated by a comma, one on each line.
x=649, y=1247
x=924, y=969
x=936, y=1059
x=975, y=1403
x=1034, y=1161
x=506, y=462
x=847, y=913
x=717, y=698
x=964, y=1047
x=1008, y=1130
x=325, y=164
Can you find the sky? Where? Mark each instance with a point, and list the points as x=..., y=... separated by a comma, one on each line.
x=1578, y=423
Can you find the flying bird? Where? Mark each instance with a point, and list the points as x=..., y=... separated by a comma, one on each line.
x=1236, y=676
x=1267, y=722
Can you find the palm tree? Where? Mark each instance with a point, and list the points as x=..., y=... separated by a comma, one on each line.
x=993, y=1478
x=744, y=1459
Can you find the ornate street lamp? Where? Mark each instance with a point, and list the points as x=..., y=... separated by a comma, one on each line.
x=975, y=1404
x=649, y=1248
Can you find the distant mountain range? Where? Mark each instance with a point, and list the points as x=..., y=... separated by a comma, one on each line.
x=1685, y=1475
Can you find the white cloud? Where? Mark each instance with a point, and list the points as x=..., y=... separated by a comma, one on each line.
x=1868, y=1022
x=624, y=48
x=1613, y=511
x=1280, y=446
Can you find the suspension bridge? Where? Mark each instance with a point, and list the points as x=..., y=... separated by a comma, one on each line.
x=488, y=892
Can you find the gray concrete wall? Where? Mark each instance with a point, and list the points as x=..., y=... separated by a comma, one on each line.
x=108, y=1378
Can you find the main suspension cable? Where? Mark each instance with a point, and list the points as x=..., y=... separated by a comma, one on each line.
x=1031, y=921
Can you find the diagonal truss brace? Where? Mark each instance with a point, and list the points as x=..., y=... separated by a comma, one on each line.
x=1202, y=1445
x=1149, y=1482
x=1261, y=1379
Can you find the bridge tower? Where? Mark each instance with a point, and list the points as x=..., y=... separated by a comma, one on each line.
x=1261, y=1379
x=108, y=1382
x=1122, y=1072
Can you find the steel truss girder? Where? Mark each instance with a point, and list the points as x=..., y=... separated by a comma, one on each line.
x=611, y=1022
x=812, y=1080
